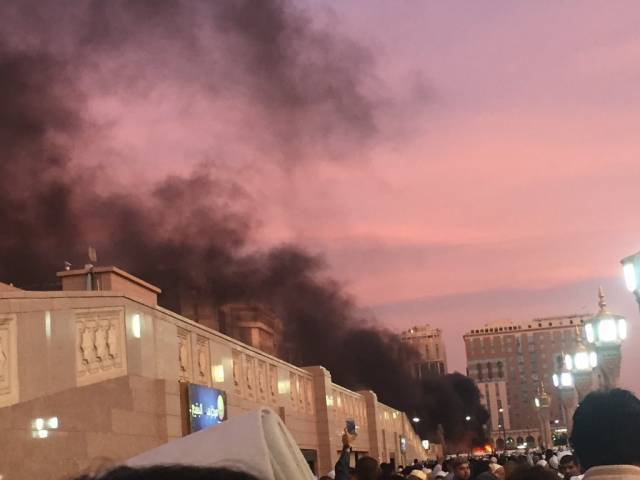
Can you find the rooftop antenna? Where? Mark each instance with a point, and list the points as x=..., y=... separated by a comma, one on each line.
x=93, y=258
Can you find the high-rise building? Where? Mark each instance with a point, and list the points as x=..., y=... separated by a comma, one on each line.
x=429, y=343
x=252, y=323
x=509, y=362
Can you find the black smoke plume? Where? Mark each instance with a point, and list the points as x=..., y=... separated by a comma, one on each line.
x=306, y=89
x=448, y=401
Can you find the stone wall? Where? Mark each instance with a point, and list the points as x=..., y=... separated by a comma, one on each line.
x=87, y=427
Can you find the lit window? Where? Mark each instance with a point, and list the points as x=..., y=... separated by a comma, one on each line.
x=588, y=328
x=217, y=373
x=582, y=361
x=566, y=379
x=630, y=278
x=607, y=331
x=136, y=326
x=568, y=362
x=622, y=329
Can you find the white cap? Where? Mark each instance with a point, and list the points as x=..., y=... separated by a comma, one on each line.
x=418, y=474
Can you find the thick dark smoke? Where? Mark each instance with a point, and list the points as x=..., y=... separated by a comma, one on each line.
x=36, y=195
x=305, y=87
x=448, y=401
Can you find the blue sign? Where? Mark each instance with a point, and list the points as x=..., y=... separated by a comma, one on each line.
x=207, y=407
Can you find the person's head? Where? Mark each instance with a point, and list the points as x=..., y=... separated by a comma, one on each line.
x=478, y=467
x=605, y=427
x=461, y=469
x=499, y=473
x=170, y=472
x=367, y=468
x=524, y=472
x=417, y=475
x=386, y=469
x=569, y=467
x=407, y=470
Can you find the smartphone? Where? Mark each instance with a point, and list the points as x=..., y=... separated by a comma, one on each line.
x=351, y=427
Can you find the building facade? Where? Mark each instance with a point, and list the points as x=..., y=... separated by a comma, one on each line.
x=512, y=362
x=96, y=371
x=251, y=323
x=429, y=343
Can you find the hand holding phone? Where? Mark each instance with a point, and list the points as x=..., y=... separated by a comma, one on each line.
x=351, y=427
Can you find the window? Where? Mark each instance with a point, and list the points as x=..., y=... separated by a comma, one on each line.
x=489, y=370
x=479, y=368
x=500, y=370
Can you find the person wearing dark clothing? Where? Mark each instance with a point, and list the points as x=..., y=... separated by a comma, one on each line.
x=525, y=472
x=604, y=435
x=569, y=467
x=367, y=468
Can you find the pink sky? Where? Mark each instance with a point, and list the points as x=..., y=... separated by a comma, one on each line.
x=509, y=191
x=516, y=196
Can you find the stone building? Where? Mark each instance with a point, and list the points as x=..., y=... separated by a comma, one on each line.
x=512, y=362
x=94, y=372
x=251, y=323
x=429, y=343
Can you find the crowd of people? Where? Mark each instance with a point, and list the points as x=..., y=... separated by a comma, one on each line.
x=531, y=465
x=602, y=442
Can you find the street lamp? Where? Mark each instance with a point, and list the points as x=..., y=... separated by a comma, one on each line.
x=502, y=429
x=606, y=331
x=415, y=420
x=542, y=402
x=631, y=270
x=564, y=382
x=467, y=418
x=583, y=360
x=605, y=328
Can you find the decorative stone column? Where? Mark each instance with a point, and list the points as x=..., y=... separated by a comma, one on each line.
x=375, y=440
x=329, y=443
